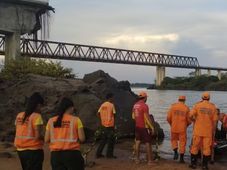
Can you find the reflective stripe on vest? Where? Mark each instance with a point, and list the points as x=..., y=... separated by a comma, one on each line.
x=71, y=139
x=29, y=135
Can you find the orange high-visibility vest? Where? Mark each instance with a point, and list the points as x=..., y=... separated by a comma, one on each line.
x=107, y=112
x=25, y=132
x=66, y=136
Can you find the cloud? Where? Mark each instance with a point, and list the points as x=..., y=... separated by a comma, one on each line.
x=194, y=28
x=124, y=38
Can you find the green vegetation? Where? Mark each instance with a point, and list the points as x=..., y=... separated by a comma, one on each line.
x=22, y=67
x=203, y=82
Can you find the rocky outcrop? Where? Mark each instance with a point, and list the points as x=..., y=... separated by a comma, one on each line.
x=87, y=95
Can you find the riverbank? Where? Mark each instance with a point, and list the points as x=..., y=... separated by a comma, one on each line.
x=123, y=152
x=200, y=83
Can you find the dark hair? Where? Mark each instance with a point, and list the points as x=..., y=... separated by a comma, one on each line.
x=64, y=105
x=34, y=100
x=109, y=96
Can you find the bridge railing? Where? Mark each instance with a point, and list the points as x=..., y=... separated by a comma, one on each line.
x=68, y=51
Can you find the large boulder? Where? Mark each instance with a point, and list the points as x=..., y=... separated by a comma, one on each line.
x=14, y=94
x=102, y=83
x=87, y=95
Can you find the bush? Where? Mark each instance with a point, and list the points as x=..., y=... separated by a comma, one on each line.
x=21, y=67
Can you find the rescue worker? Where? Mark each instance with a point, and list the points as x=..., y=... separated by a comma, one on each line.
x=204, y=116
x=29, y=134
x=64, y=133
x=143, y=127
x=223, y=120
x=178, y=118
x=107, y=114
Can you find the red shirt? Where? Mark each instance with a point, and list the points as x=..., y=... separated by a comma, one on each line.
x=140, y=114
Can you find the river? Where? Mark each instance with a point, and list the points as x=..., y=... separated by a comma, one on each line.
x=159, y=102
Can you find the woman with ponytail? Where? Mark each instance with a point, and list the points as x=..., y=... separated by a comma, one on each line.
x=29, y=138
x=64, y=133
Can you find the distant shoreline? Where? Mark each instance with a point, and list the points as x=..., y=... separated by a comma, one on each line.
x=201, y=83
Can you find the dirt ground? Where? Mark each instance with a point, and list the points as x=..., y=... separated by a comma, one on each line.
x=123, y=161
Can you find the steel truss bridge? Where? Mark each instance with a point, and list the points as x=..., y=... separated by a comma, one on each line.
x=69, y=51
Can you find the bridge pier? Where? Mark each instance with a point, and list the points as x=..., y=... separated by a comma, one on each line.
x=160, y=75
x=219, y=74
x=18, y=18
x=208, y=72
x=12, y=46
x=198, y=72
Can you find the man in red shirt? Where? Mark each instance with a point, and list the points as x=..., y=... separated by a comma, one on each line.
x=143, y=126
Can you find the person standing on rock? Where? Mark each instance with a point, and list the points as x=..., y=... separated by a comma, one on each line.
x=204, y=115
x=29, y=134
x=107, y=114
x=143, y=127
x=178, y=118
x=64, y=133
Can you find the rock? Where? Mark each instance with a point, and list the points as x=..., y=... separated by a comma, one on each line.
x=87, y=95
x=101, y=84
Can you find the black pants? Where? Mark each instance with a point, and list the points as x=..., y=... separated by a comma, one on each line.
x=107, y=138
x=31, y=159
x=67, y=160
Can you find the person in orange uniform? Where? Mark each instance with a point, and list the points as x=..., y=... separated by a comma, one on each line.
x=29, y=138
x=204, y=116
x=143, y=127
x=64, y=133
x=178, y=118
x=107, y=114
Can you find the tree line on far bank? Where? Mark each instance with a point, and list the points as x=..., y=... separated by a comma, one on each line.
x=203, y=82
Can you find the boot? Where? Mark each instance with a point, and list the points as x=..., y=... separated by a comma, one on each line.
x=205, y=162
x=193, y=161
x=175, y=157
x=182, y=158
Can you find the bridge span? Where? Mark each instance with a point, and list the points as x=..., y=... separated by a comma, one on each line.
x=69, y=51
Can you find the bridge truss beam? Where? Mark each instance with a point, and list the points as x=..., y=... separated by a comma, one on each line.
x=67, y=51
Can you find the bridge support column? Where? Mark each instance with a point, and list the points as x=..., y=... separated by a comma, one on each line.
x=12, y=46
x=198, y=72
x=160, y=75
x=208, y=72
x=219, y=74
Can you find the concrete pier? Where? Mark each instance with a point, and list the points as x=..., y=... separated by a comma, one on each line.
x=219, y=74
x=209, y=73
x=160, y=75
x=198, y=72
x=12, y=46
x=18, y=18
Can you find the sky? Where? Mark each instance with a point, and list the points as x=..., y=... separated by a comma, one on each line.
x=192, y=28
